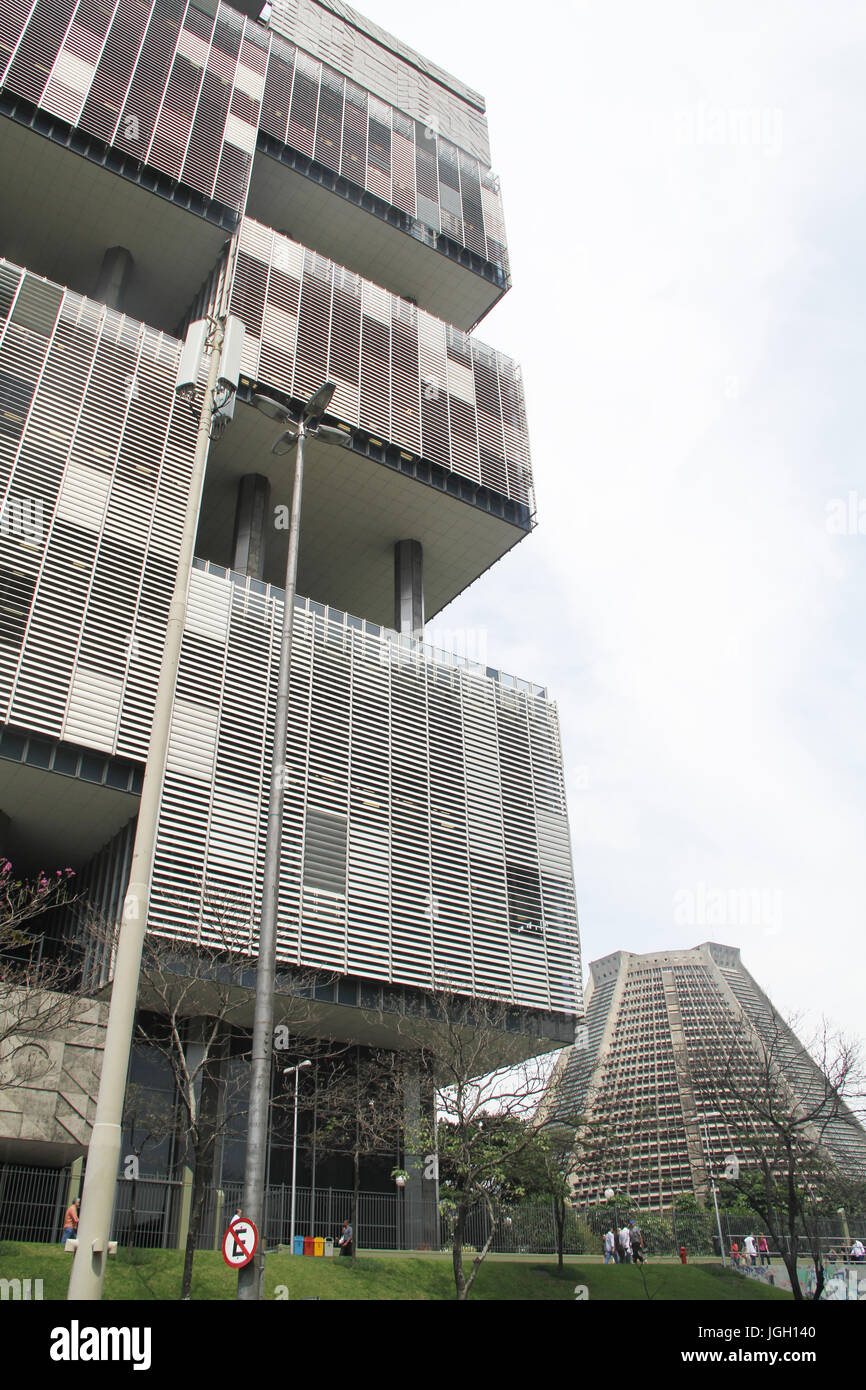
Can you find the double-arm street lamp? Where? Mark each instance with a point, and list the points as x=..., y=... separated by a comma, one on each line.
x=713, y=1114
x=308, y=423
x=287, y=1071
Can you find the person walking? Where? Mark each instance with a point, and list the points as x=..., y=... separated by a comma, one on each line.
x=70, y=1221
x=750, y=1249
x=345, y=1241
x=638, y=1254
x=609, y=1247
x=625, y=1246
x=763, y=1250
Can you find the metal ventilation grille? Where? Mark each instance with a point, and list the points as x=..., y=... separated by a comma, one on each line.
x=400, y=373
x=94, y=455
x=181, y=88
x=410, y=814
x=385, y=66
x=312, y=108
x=176, y=86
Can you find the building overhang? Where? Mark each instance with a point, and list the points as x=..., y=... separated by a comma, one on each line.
x=59, y=214
x=340, y=220
x=347, y=1009
x=355, y=508
x=59, y=818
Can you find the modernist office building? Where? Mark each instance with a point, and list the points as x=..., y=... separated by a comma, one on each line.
x=662, y=1029
x=309, y=174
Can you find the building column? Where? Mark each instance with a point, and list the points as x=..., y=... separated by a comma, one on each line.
x=5, y=836
x=251, y=517
x=114, y=277
x=420, y=1196
x=185, y=1209
x=409, y=589
x=76, y=1174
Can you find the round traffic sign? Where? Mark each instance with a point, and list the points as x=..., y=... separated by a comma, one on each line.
x=239, y=1243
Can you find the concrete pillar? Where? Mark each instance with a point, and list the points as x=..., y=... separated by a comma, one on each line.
x=5, y=835
x=185, y=1209
x=420, y=1196
x=73, y=1188
x=114, y=277
x=219, y=1210
x=409, y=589
x=251, y=520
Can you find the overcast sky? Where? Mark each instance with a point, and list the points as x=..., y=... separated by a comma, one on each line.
x=684, y=195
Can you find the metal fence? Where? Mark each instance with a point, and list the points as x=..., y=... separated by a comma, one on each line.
x=151, y=1212
x=32, y=1202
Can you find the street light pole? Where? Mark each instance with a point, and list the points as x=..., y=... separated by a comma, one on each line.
x=713, y=1187
x=297, y=1071
x=251, y=1277
x=103, y=1155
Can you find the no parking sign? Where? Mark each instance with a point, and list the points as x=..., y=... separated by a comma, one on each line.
x=239, y=1243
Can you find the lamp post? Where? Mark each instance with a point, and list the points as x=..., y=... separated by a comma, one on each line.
x=714, y=1114
x=251, y=1277
x=286, y=1072
x=103, y=1156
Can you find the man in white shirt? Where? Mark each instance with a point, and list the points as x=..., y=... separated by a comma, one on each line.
x=609, y=1247
x=750, y=1248
x=625, y=1246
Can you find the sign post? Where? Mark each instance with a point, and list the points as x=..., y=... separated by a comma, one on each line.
x=240, y=1242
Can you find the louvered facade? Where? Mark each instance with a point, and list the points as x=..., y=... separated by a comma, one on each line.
x=410, y=852
x=195, y=98
x=177, y=87
x=95, y=459
x=675, y=1041
x=400, y=373
x=331, y=191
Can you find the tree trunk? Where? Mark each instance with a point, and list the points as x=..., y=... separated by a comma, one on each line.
x=199, y=1192
x=203, y=1152
x=457, y=1253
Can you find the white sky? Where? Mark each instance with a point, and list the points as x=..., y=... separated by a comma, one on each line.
x=685, y=194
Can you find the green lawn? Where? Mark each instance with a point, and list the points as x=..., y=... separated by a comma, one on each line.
x=155, y=1274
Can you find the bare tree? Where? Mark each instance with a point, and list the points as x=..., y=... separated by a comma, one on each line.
x=38, y=993
x=196, y=994
x=801, y=1145
x=483, y=1114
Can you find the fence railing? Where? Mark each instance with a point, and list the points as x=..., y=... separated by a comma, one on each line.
x=152, y=1212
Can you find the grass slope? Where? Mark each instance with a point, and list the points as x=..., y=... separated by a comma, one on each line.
x=143, y=1275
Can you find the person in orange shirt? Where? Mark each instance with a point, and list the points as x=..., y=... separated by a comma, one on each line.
x=70, y=1221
